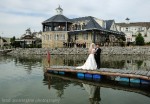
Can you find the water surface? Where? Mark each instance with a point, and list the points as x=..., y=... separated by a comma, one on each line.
x=22, y=80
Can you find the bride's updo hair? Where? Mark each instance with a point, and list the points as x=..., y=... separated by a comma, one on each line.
x=92, y=46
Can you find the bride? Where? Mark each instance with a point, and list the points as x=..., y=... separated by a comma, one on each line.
x=90, y=63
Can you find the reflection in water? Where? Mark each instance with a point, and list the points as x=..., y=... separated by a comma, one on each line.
x=60, y=85
x=93, y=92
x=56, y=83
x=28, y=62
x=22, y=77
x=91, y=89
x=114, y=61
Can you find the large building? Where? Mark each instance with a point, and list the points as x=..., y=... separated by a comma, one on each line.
x=60, y=31
x=132, y=29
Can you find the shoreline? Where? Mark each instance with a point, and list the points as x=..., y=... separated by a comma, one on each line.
x=136, y=50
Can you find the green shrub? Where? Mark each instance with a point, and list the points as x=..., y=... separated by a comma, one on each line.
x=139, y=40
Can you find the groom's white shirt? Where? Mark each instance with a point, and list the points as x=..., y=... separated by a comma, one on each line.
x=96, y=49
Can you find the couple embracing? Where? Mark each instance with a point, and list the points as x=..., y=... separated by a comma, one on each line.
x=93, y=60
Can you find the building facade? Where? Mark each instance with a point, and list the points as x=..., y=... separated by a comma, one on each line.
x=60, y=31
x=132, y=29
x=30, y=39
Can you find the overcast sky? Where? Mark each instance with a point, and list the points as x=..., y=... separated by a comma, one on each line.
x=18, y=15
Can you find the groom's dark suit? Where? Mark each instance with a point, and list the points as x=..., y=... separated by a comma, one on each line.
x=97, y=57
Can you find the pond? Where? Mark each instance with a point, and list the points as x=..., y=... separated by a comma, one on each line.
x=22, y=80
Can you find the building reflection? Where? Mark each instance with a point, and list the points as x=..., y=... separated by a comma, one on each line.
x=65, y=60
x=28, y=62
x=114, y=61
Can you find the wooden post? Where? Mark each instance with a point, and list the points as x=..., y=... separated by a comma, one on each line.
x=129, y=81
x=48, y=58
x=140, y=82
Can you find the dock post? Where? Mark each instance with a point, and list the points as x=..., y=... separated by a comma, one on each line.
x=140, y=82
x=129, y=81
x=48, y=58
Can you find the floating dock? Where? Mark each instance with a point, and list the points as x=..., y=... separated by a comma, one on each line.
x=135, y=76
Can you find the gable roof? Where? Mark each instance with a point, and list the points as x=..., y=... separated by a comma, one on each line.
x=57, y=18
x=143, y=24
x=91, y=22
x=82, y=18
x=109, y=24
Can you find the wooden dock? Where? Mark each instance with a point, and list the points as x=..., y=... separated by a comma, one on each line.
x=137, y=74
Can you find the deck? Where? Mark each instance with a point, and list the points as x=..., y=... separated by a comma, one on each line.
x=137, y=74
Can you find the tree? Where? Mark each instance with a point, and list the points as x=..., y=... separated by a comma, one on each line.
x=12, y=40
x=139, y=40
x=123, y=38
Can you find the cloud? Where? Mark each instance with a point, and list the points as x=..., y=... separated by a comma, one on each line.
x=15, y=25
x=18, y=15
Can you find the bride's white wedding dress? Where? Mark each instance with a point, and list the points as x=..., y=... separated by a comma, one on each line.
x=90, y=63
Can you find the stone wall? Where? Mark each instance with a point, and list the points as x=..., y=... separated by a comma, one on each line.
x=143, y=50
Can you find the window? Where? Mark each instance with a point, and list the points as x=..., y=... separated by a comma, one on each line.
x=91, y=36
x=145, y=35
x=45, y=37
x=76, y=37
x=143, y=28
x=85, y=36
x=128, y=39
x=63, y=36
x=55, y=37
x=139, y=29
x=96, y=36
x=49, y=36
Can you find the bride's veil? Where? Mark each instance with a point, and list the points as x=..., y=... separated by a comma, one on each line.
x=91, y=47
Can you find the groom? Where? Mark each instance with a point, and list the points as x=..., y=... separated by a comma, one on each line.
x=97, y=55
